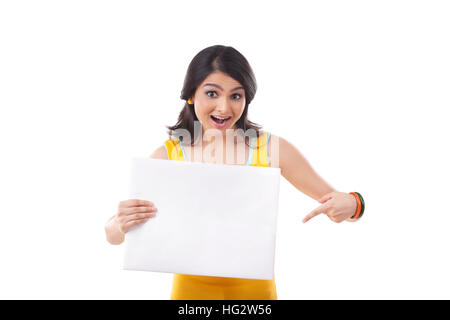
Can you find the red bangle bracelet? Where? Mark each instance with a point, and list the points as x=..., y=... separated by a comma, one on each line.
x=358, y=207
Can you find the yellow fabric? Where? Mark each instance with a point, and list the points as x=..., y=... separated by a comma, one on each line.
x=174, y=151
x=259, y=158
x=189, y=287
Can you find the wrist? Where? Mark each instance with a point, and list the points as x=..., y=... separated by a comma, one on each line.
x=359, y=206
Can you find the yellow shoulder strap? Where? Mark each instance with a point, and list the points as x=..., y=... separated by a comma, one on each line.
x=260, y=152
x=174, y=150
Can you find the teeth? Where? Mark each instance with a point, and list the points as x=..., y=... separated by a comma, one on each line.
x=220, y=118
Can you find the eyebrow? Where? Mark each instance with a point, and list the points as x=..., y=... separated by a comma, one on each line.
x=219, y=87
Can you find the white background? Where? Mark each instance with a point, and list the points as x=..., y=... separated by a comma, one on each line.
x=361, y=88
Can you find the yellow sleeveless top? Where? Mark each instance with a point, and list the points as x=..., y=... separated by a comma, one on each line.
x=190, y=287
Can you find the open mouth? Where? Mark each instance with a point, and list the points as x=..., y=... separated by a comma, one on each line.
x=219, y=120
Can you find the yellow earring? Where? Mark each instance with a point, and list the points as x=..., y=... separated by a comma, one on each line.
x=190, y=101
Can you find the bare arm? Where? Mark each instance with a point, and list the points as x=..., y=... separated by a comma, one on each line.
x=338, y=206
x=299, y=172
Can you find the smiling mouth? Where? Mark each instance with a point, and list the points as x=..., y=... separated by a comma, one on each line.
x=220, y=120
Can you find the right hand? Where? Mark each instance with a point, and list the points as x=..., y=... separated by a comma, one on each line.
x=132, y=212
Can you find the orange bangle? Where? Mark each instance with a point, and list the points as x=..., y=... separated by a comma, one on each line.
x=358, y=208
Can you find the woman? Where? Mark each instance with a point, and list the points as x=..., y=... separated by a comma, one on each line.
x=218, y=88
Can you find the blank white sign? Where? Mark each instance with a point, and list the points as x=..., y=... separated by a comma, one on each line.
x=212, y=219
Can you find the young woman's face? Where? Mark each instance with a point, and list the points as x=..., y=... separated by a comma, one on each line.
x=219, y=97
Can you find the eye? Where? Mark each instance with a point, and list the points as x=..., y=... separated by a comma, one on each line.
x=236, y=96
x=211, y=94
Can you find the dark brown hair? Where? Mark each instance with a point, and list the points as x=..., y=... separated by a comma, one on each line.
x=216, y=58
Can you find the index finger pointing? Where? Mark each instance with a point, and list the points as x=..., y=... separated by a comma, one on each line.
x=315, y=212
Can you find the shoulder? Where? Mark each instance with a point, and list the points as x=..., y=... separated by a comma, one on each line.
x=273, y=149
x=283, y=144
x=291, y=159
x=160, y=153
x=282, y=152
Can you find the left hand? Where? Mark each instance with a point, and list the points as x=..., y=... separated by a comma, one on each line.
x=338, y=206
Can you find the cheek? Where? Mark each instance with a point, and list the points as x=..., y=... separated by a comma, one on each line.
x=202, y=108
x=238, y=108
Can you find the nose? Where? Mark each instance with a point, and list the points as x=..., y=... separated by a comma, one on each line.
x=223, y=106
